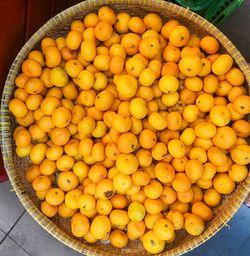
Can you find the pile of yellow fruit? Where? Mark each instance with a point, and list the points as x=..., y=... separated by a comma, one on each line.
x=134, y=127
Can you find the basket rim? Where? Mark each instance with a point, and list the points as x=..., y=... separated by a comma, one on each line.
x=6, y=134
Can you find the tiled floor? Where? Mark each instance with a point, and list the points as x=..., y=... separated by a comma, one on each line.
x=20, y=235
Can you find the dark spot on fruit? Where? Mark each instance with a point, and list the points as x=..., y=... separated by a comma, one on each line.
x=133, y=46
x=109, y=194
x=84, y=207
x=166, y=225
x=189, y=69
x=242, y=107
x=182, y=38
x=68, y=181
x=132, y=147
x=152, y=242
x=203, y=64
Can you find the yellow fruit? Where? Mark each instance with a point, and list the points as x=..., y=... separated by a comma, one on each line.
x=88, y=50
x=104, y=100
x=65, y=212
x=188, y=136
x=164, y=229
x=122, y=182
x=55, y=196
x=138, y=108
x=18, y=108
x=190, y=65
x=152, y=243
x=194, y=225
x=147, y=77
x=126, y=85
x=222, y=64
x=48, y=209
x=79, y=225
x=71, y=199
x=238, y=173
x=176, y=148
x=240, y=154
x=100, y=226
x=59, y=77
x=105, y=189
x=223, y=183
x=202, y=210
x=127, y=163
x=118, y=239
x=220, y=115
x=103, y=207
x=157, y=121
x=168, y=84
x=136, y=211
x=212, y=197
x=86, y=202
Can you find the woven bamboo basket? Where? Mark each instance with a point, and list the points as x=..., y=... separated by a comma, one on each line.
x=15, y=167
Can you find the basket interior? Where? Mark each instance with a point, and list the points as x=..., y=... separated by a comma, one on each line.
x=60, y=227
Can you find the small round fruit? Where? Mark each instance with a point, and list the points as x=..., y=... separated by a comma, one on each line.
x=55, y=196
x=48, y=209
x=220, y=115
x=18, y=108
x=65, y=212
x=104, y=189
x=86, y=202
x=168, y=84
x=118, y=239
x=127, y=163
x=223, y=183
x=190, y=65
x=212, y=197
x=79, y=225
x=164, y=229
x=136, y=211
x=176, y=148
x=202, y=210
x=209, y=44
x=100, y=226
x=138, y=108
x=67, y=181
x=152, y=243
x=71, y=198
x=41, y=183
x=222, y=64
x=240, y=154
x=238, y=173
x=59, y=77
x=194, y=225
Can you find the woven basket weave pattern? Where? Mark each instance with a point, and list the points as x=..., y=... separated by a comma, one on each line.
x=15, y=167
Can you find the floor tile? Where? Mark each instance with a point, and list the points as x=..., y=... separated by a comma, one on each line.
x=2, y=235
x=9, y=248
x=11, y=208
x=235, y=27
x=229, y=241
x=36, y=241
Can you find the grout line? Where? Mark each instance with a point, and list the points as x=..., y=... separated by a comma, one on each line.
x=19, y=245
x=7, y=233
